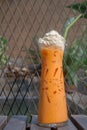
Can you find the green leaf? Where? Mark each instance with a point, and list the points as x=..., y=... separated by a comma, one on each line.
x=3, y=48
x=72, y=77
x=32, y=52
x=85, y=61
x=74, y=6
x=35, y=39
x=67, y=23
x=3, y=40
x=80, y=7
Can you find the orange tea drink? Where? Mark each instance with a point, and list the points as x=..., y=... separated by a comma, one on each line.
x=52, y=101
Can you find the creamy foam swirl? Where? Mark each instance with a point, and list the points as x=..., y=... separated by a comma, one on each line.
x=52, y=38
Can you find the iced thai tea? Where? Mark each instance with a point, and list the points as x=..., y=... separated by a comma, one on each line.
x=52, y=100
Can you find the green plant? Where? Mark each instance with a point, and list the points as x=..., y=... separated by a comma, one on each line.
x=77, y=7
x=75, y=57
x=3, y=48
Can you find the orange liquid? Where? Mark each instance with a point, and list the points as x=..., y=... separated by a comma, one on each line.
x=52, y=101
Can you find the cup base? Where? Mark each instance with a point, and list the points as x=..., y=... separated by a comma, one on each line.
x=54, y=125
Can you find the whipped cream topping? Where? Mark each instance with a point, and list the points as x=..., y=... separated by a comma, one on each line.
x=52, y=38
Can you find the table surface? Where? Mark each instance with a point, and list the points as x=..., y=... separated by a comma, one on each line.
x=19, y=122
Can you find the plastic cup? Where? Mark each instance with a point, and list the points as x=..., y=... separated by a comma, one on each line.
x=52, y=109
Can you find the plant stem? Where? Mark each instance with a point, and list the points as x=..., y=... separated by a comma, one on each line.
x=67, y=29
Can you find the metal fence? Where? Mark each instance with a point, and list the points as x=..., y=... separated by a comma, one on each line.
x=21, y=23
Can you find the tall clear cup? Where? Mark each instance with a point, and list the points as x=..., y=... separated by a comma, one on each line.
x=52, y=109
